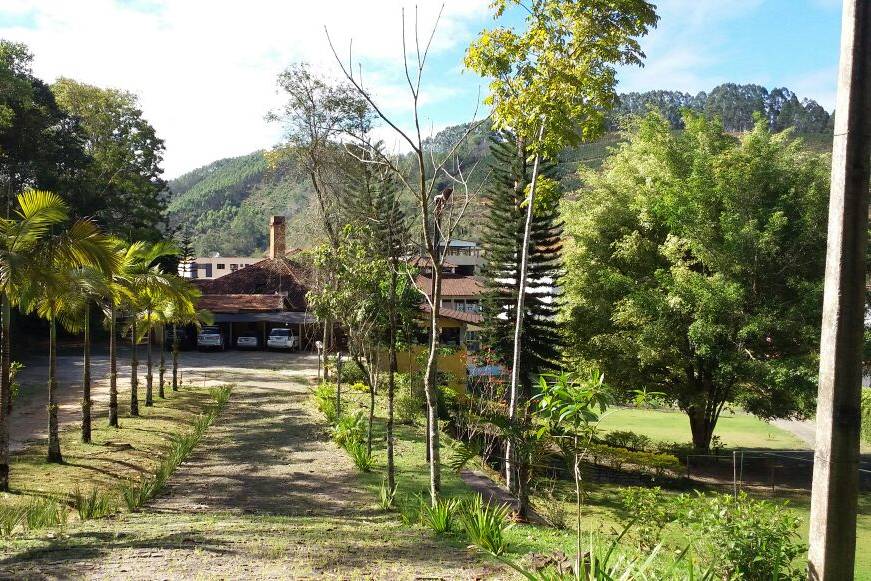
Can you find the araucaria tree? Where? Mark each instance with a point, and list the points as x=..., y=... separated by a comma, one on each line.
x=502, y=240
x=695, y=266
x=502, y=243
x=552, y=85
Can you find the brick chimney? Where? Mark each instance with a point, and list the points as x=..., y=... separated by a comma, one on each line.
x=277, y=244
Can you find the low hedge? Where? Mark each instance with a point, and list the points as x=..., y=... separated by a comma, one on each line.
x=646, y=461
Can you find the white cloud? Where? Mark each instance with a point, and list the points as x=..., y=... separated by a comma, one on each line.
x=690, y=40
x=205, y=70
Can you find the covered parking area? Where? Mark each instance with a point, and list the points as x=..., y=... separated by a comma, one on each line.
x=303, y=325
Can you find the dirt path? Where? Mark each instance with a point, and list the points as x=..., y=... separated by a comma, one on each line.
x=265, y=495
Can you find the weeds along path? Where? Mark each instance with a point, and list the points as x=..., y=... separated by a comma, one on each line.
x=265, y=495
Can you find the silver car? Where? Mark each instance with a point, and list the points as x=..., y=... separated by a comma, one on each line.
x=210, y=338
x=247, y=342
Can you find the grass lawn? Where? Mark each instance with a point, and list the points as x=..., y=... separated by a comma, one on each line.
x=735, y=429
x=601, y=512
x=114, y=456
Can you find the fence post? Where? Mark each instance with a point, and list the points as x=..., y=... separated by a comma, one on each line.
x=735, y=473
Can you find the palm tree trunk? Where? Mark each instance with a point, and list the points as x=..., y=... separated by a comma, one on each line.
x=113, y=371
x=86, y=381
x=134, y=373
x=5, y=392
x=161, y=372
x=174, y=358
x=54, y=454
x=149, y=373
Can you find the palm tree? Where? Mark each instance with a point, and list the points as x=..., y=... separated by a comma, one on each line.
x=150, y=299
x=182, y=311
x=55, y=294
x=85, y=287
x=20, y=238
x=136, y=269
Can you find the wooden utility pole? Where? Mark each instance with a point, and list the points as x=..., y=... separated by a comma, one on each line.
x=836, y=464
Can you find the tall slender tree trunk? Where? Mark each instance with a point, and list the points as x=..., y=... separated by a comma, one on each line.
x=430, y=387
x=5, y=391
x=161, y=371
x=54, y=454
x=514, y=398
x=86, y=380
x=134, y=372
x=175, y=348
x=391, y=380
x=149, y=366
x=338, y=386
x=113, y=370
x=373, y=383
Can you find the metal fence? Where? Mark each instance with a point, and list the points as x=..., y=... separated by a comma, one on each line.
x=761, y=470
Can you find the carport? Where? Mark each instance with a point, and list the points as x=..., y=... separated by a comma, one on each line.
x=304, y=325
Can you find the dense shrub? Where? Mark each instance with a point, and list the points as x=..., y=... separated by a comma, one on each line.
x=741, y=538
x=350, y=429
x=485, y=524
x=440, y=518
x=94, y=504
x=409, y=408
x=325, y=399
x=627, y=439
x=361, y=455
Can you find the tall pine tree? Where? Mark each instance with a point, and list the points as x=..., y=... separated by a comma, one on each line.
x=502, y=242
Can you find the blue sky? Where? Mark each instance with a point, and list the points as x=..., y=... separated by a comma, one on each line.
x=205, y=70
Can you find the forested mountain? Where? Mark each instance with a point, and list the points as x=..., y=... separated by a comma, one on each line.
x=225, y=205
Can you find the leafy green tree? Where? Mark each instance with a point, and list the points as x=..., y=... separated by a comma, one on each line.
x=154, y=289
x=181, y=310
x=121, y=184
x=353, y=298
x=371, y=197
x=569, y=407
x=695, y=268
x=501, y=242
x=552, y=84
x=40, y=144
x=21, y=238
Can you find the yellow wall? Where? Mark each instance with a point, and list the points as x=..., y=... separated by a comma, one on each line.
x=454, y=365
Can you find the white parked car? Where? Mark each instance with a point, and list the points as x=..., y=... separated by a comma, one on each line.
x=210, y=338
x=281, y=339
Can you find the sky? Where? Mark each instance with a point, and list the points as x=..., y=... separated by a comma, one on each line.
x=205, y=70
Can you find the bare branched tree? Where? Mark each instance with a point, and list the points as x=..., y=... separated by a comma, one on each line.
x=439, y=211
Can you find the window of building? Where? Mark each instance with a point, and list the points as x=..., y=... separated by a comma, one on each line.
x=473, y=341
x=221, y=266
x=234, y=267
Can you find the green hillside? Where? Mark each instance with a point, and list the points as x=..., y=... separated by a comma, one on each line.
x=225, y=206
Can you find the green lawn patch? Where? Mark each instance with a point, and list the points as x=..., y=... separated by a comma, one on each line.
x=602, y=508
x=735, y=429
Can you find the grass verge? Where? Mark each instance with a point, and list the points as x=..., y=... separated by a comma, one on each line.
x=94, y=479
